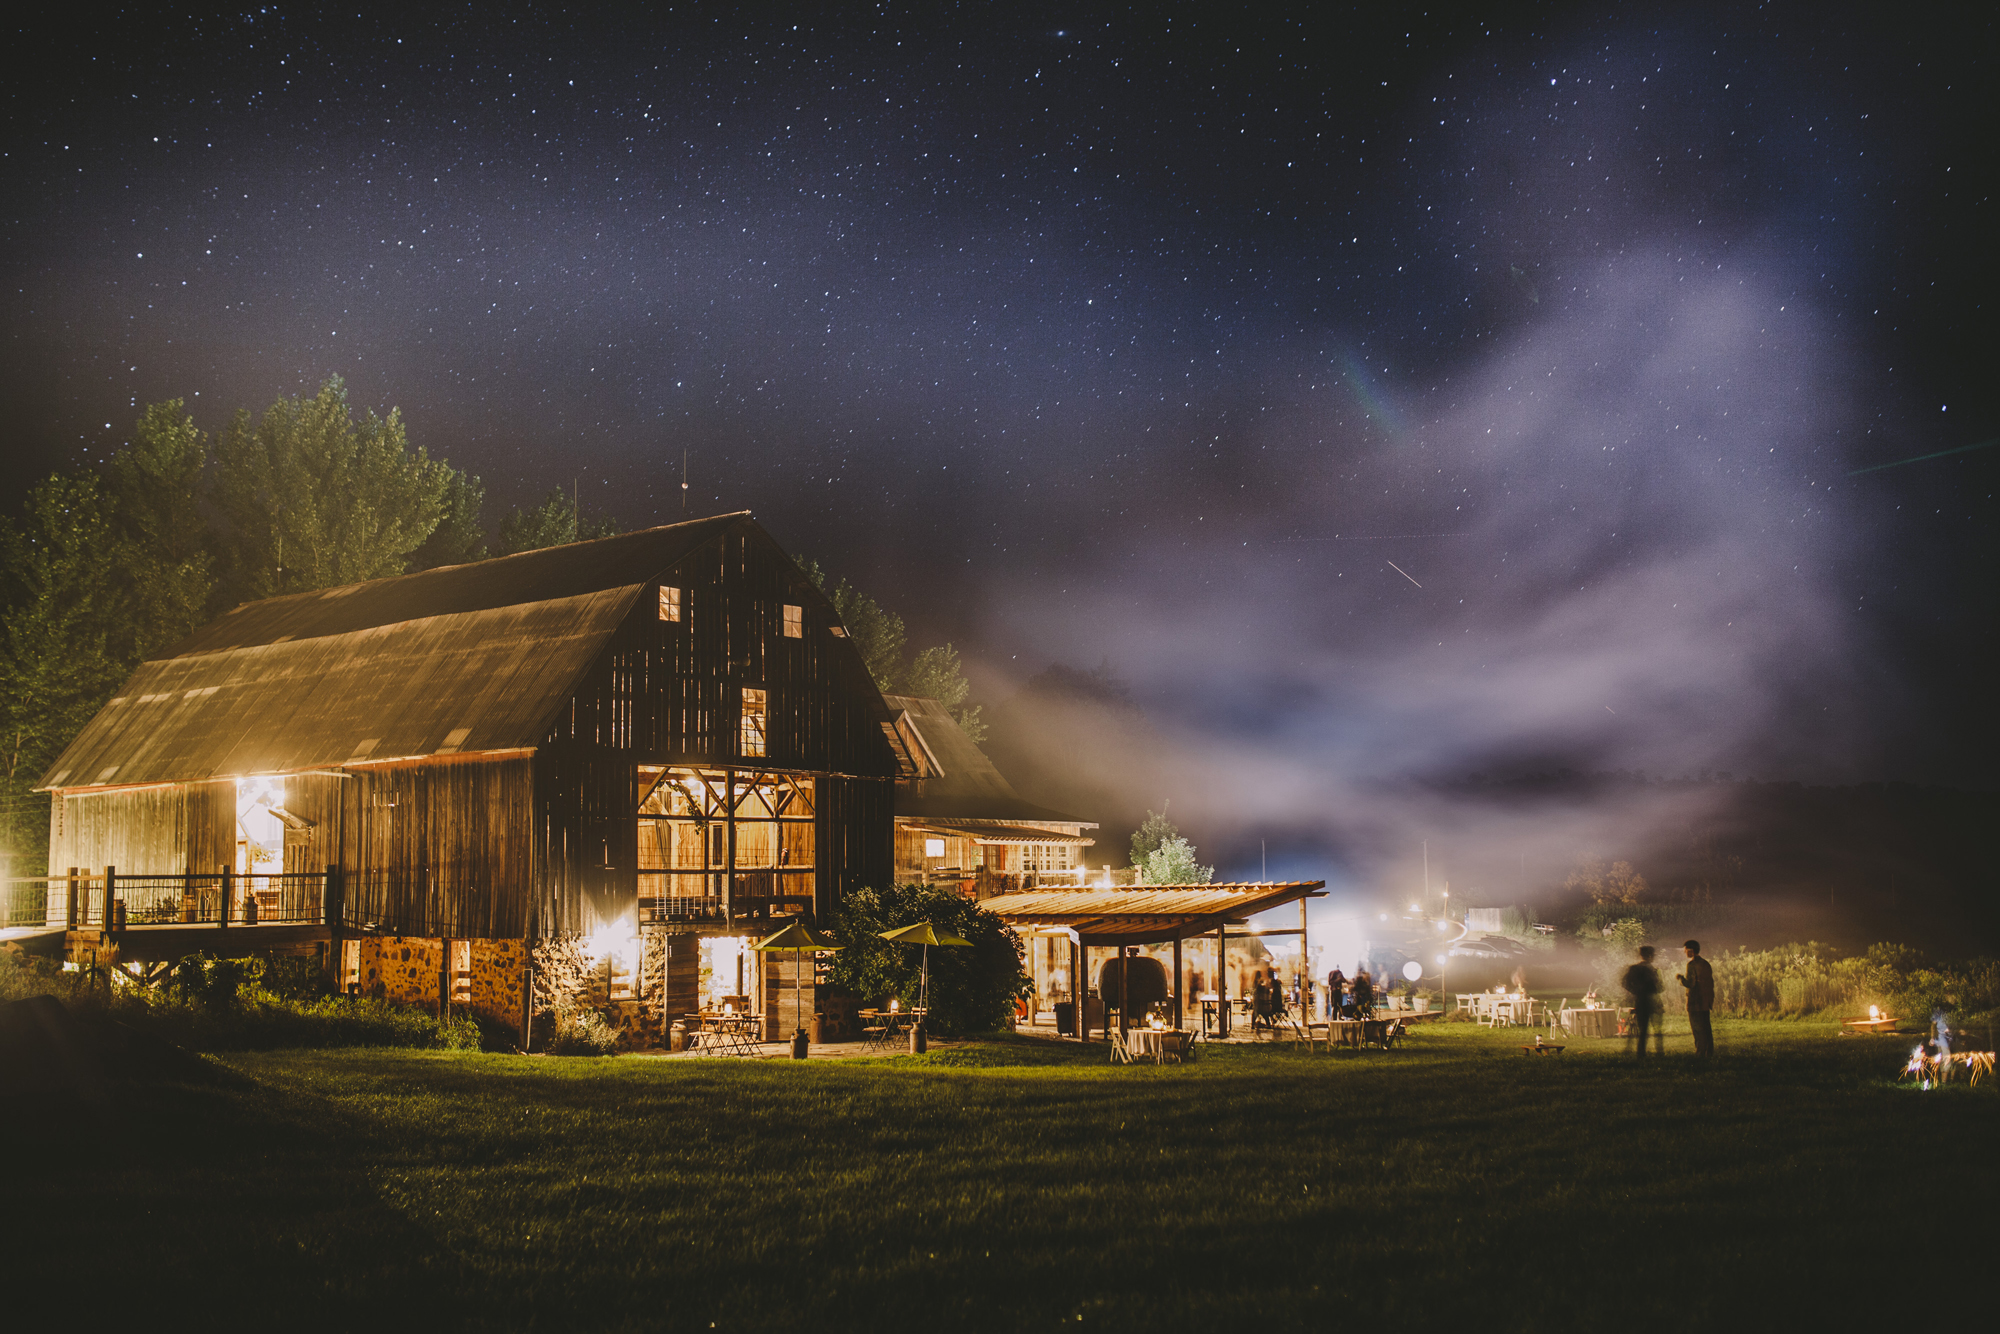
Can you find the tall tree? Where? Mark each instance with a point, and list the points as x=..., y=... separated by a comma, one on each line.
x=556, y=522
x=311, y=497
x=164, y=561
x=58, y=659
x=936, y=674
x=458, y=538
x=1148, y=837
x=875, y=631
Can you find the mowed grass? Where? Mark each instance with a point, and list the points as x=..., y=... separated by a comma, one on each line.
x=1022, y=1185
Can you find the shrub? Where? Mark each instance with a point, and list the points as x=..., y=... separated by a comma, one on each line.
x=972, y=990
x=581, y=1032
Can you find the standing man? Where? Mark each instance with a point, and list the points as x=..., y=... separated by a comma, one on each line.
x=1699, y=979
x=1642, y=984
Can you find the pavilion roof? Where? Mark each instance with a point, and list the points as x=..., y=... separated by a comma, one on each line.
x=1138, y=914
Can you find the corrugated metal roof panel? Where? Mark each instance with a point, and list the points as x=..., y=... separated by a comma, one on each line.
x=1151, y=900
x=493, y=677
x=547, y=575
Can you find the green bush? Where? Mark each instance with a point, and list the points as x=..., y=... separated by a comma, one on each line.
x=581, y=1032
x=209, y=1004
x=972, y=990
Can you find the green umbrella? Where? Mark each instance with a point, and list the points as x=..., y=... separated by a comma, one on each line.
x=923, y=933
x=798, y=938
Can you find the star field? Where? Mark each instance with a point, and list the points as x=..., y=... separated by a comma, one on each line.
x=1143, y=334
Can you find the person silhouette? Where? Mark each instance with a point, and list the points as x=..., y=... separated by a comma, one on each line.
x=1642, y=984
x=1699, y=979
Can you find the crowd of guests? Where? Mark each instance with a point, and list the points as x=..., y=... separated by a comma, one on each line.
x=1346, y=998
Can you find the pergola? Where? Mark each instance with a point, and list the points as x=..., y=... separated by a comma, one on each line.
x=1114, y=917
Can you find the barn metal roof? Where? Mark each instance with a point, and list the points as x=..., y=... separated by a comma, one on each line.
x=452, y=661
x=1142, y=913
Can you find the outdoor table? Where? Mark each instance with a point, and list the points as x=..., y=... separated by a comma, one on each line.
x=1591, y=1023
x=729, y=1034
x=894, y=1023
x=1159, y=1044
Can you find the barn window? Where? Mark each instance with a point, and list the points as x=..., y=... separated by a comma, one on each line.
x=839, y=632
x=795, y=621
x=933, y=847
x=753, y=721
x=670, y=603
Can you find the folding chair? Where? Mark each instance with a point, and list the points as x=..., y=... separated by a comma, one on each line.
x=1120, y=1053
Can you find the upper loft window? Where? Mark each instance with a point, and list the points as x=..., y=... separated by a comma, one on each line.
x=795, y=622
x=753, y=732
x=670, y=603
x=839, y=631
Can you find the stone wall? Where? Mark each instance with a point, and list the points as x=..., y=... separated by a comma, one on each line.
x=400, y=968
x=496, y=978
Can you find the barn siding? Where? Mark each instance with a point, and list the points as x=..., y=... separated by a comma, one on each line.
x=440, y=847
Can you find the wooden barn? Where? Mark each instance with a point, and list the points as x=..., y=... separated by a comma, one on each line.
x=959, y=819
x=655, y=745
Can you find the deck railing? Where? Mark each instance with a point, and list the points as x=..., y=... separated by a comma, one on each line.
x=113, y=900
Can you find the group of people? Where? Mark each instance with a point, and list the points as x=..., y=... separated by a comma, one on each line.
x=1642, y=983
x=1350, y=998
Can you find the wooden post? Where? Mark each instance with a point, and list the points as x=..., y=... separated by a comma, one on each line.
x=333, y=912
x=225, y=895
x=444, y=979
x=1305, y=969
x=1222, y=981
x=1124, y=993
x=1077, y=959
x=110, y=922
x=729, y=855
x=190, y=906
x=528, y=999
x=69, y=899
x=1179, y=1009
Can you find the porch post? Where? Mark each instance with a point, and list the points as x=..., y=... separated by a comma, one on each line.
x=1305, y=968
x=729, y=839
x=1178, y=1008
x=1124, y=993
x=110, y=897
x=1222, y=979
x=1077, y=959
x=226, y=895
x=69, y=899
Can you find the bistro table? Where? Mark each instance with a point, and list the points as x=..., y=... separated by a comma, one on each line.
x=1160, y=1045
x=728, y=1034
x=892, y=1023
x=1598, y=1023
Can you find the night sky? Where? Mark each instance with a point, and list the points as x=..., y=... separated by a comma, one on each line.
x=1380, y=397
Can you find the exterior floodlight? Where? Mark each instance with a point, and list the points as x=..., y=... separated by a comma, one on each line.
x=1413, y=970
x=1384, y=916
x=1440, y=961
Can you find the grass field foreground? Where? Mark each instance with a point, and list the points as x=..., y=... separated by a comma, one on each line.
x=1022, y=1184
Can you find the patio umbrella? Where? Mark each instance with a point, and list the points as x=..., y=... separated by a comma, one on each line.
x=923, y=933
x=796, y=937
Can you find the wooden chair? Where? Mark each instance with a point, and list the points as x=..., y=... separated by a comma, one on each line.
x=1120, y=1053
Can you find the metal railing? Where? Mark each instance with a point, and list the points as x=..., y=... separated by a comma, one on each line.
x=82, y=900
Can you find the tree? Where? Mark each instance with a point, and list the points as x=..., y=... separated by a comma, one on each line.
x=1618, y=883
x=58, y=661
x=458, y=538
x=556, y=522
x=878, y=634
x=164, y=564
x=936, y=675
x=1147, y=838
x=1173, y=863
x=311, y=497
x=972, y=990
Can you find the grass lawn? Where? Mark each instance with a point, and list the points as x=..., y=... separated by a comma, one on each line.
x=1019, y=1184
